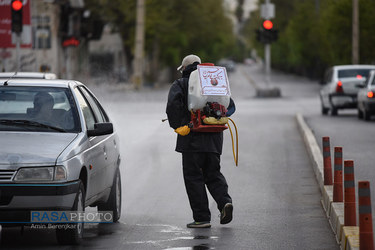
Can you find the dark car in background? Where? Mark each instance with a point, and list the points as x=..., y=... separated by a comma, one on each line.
x=366, y=98
x=229, y=64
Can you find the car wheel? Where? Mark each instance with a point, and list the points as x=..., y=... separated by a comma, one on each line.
x=324, y=109
x=333, y=111
x=113, y=203
x=360, y=114
x=366, y=115
x=73, y=234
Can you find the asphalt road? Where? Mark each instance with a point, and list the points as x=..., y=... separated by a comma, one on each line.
x=275, y=195
x=355, y=136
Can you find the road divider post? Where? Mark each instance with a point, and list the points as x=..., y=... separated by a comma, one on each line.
x=337, y=181
x=327, y=170
x=350, y=218
x=366, y=240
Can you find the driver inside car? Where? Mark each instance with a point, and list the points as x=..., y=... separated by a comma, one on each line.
x=43, y=107
x=43, y=112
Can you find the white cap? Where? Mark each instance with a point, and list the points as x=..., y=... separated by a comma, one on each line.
x=190, y=59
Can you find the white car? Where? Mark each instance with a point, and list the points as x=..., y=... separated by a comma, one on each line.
x=58, y=152
x=366, y=98
x=341, y=87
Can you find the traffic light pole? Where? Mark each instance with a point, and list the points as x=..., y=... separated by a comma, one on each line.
x=266, y=35
x=267, y=57
x=18, y=58
x=267, y=49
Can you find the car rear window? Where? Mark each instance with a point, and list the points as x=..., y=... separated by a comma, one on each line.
x=353, y=73
x=42, y=109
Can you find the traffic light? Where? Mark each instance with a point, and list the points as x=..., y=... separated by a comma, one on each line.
x=261, y=36
x=267, y=24
x=267, y=34
x=91, y=26
x=16, y=7
x=65, y=12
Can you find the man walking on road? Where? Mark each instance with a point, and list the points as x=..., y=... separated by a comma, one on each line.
x=200, y=153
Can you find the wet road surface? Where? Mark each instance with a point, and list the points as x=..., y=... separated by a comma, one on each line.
x=275, y=195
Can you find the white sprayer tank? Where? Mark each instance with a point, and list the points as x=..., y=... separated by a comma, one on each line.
x=208, y=84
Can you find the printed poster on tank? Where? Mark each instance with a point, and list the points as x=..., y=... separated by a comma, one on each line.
x=213, y=80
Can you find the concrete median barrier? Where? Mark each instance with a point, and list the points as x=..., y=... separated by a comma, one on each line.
x=347, y=237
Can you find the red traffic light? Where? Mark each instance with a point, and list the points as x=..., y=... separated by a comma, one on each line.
x=17, y=5
x=267, y=24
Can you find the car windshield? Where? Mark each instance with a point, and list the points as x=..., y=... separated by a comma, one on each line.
x=358, y=73
x=40, y=109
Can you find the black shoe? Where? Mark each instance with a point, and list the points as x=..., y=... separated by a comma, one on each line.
x=203, y=224
x=226, y=214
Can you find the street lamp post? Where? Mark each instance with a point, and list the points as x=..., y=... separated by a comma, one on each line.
x=355, y=33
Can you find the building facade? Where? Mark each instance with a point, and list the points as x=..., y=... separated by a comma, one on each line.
x=50, y=39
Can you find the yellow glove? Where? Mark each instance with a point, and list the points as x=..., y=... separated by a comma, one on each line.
x=184, y=130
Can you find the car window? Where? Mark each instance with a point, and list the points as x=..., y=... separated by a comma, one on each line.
x=373, y=81
x=344, y=73
x=98, y=110
x=46, y=109
x=86, y=110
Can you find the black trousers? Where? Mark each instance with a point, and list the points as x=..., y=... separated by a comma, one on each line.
x=201, y=170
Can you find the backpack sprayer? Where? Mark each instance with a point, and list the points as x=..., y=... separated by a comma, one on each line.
x=208, y=97
x=210, y=119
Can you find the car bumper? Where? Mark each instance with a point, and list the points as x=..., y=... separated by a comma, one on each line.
x=343, y=101
x=18, y=200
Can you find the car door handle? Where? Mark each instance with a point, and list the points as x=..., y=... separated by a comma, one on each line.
x=105, y=153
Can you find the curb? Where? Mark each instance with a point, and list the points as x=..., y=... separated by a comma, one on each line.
x=346, y=237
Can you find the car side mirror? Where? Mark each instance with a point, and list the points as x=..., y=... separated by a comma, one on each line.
x=104, y=128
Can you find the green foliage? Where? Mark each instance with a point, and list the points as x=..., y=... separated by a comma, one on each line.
x=366, y=32
x=174, y=29
x=311, y=39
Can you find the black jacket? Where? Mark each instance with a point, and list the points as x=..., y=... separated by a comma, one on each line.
x=179, y=115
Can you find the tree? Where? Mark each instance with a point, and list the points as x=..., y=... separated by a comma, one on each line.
x=310, y=41
x=173, y=29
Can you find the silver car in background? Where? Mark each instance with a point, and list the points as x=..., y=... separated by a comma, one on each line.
x=341, y=85
x=58, y=151
x=366, y=98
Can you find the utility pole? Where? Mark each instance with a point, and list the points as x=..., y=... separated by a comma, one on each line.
x=355, y=33
x=68, y=51
x=139, y=45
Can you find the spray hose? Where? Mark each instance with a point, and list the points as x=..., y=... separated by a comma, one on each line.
x=235, y=154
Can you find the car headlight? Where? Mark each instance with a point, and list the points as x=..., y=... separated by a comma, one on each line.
x=36, y=174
